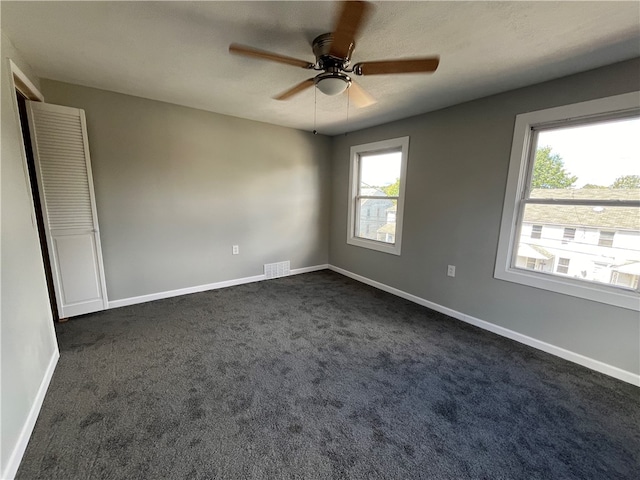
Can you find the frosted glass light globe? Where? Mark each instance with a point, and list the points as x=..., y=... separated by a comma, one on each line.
x=332, y=85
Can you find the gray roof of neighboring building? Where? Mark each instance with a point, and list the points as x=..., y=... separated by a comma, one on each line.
x=614, y=218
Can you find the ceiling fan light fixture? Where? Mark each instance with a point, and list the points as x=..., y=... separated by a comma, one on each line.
x=332, y=83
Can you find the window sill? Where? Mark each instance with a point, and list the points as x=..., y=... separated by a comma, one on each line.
x=576, y=288
x=393, y=249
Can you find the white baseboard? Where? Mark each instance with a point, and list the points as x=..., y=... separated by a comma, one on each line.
x=203, y=288
x=315, y=268
x=591, y=363
x=23, y=440
x=183, y=291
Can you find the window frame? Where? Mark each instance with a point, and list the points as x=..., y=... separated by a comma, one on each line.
x=400, y=144
x=520, y=169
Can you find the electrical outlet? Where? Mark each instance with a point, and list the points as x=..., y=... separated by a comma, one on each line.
x=236, y=250
x=451, y=270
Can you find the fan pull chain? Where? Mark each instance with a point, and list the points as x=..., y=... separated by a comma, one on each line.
x=315, y=109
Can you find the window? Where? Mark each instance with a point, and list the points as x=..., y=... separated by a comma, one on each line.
x=531, y=263
x=606, y=239
x=568, y=235
x=377, y=180
x=536, y=231
x=576, y=170
x=563, y=265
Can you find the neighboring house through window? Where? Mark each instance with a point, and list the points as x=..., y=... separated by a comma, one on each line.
x=573, y=202
x=376, y=194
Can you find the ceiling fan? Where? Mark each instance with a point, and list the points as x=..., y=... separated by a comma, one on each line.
x=333, y=56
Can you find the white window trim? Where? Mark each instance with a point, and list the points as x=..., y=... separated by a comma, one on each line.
x=517, y=176
x=401, y=143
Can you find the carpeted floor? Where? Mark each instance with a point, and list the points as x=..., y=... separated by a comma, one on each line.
x=317, y=376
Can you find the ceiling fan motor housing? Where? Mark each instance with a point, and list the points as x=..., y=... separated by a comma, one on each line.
x=321, y=48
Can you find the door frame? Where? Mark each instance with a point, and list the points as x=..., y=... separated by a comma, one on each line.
x=19, y=81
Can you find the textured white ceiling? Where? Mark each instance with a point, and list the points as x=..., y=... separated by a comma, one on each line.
x=177, y=51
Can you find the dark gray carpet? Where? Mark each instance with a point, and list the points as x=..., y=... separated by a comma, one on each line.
x=318, y=376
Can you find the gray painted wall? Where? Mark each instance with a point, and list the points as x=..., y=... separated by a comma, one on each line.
x=457, y=172
x=26, y=328
x=177, y=187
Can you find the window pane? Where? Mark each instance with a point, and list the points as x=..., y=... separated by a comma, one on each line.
x=377, y=220
x=563, y=265
x=599, y=160
x=380, y=174
x=597, y=244
x=569, y=234
x=606, y=238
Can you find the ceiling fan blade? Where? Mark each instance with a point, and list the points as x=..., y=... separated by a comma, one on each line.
x=296, y=89
x=238, y=49
x=350, y=20
x=409, y=65
x=359, y=96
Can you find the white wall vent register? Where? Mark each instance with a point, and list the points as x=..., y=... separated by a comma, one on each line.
x=275, y=270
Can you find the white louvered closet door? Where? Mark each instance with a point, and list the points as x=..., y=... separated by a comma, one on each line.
x=63, y=168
